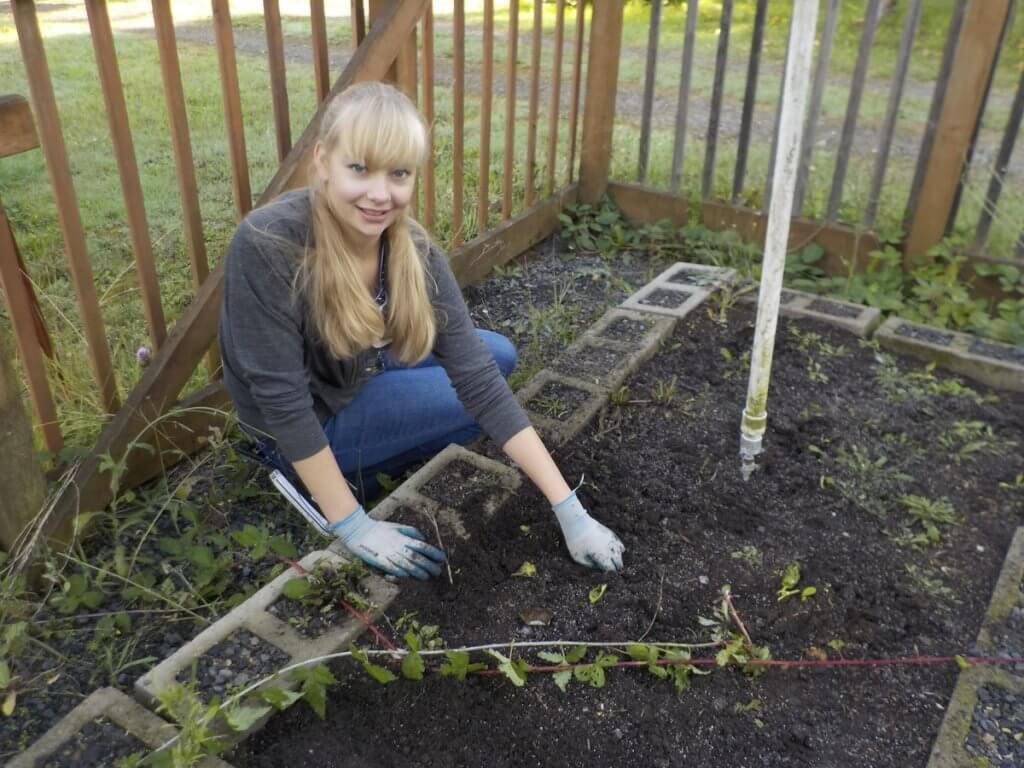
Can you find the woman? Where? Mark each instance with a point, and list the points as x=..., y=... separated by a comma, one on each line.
x=348, y=348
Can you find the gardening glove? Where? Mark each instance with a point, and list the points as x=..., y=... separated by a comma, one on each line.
x=396, y=549
x=589, y=542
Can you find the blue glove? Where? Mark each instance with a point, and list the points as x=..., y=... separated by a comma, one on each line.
x=396, y=549
x=589, y=542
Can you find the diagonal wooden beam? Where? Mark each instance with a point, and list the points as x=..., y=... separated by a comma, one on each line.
x=171, y=368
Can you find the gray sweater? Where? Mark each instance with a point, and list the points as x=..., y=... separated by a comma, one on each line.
x=284, y=380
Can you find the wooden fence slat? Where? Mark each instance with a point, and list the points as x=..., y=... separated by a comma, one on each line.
x=975, y=57
x=711, y=144
x=172, y=367
x=184, y=165
x=828, y=37
x=358, y=20
x=577, y=79
x=749, y=99
x=995, y=184
x=429, y=181
x=860, y=73
x=899, y=79
x=128, y=169
x=556, y=97
x=938, y=97
x=459, y=116
x=683, y=100
x=17, y=129
x=531, y=125
x=512, y=51
x=650, y=78
x=24, y=322
x=405, y=67
x=51, y=139
x=486, y=107
x=278, y=81
x=321, y=64
x=233, y=120
x=599, y=102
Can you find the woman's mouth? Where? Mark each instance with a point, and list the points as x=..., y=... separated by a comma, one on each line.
x=373, y=214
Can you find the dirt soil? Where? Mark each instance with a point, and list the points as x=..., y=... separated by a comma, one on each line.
x=853, y=436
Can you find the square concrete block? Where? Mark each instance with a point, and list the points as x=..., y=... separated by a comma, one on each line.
x=560, y=406
x=678, y=290
x=274, y=637
x=998, y=365
x=634, y=329
x=855, y=318
x=1006, y=596
x=120, y=712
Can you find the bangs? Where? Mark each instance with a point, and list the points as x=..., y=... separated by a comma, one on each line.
x=382, y=136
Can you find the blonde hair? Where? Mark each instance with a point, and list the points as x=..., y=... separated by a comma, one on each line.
x=379, y=126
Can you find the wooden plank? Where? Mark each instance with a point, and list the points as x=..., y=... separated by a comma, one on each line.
x=234, y=123
x=892, y=112
x=474, y=260
x=644, y=205
x=531, y=125
x=577, y=79
x=749, y=99
x=429, y=181
x=556, y=98
x=683, y=100
x=938, y=98
x=961, y=111
x=995, y=184
x=358, y=21
x=127, y=167
x=51, y=140
x=486, y=108
x=17, y=129
x=405, y=67
x=181, y=143
x=278, y=81
x=459, y=116
x=828, y=37
x=650, y=78
x=599, y=102
x=172, y=367
x=860, y=73
x=318, y=35
x=711, y=144
x=25, y=320
x=512, y=51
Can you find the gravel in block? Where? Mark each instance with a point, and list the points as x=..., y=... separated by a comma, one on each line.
x=786, y=297
x=99, y=743
x=463, y=486
x=238, y=660
x=666, y=299
x=699, y=278
x=833, y=308
x=997, y=351
x=590, y=362
x=558, y=401
x=929, y=335
x=997, y=728
x=626, y=329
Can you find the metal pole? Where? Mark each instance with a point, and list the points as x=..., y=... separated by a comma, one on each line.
x=798, y=76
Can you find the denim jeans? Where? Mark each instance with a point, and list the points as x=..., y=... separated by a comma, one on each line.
x=403, y=415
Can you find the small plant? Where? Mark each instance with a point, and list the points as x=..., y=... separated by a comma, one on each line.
x=552, y=407
x=325, y=584
x=619, y=396
x=749, y=554
x=664, y=391
x=968, y=438
x=790, y=580
x=930, y=514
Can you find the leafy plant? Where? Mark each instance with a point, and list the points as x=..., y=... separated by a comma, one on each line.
x=665, y=390
x=930, y=514
x=790, y=580
x=597, y=593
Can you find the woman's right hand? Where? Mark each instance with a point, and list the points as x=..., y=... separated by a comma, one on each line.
x=396, y=549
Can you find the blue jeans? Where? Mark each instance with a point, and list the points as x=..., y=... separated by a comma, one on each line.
x=401, y=416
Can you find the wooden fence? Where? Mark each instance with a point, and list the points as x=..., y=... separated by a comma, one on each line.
x=486, y=226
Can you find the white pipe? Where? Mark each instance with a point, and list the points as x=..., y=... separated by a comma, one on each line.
x=794, y=99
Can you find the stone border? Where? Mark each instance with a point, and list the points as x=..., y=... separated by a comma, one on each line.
x=556, y=432
x=953, y=351
x=252, y=616
x=860, y=320
x=119, y=709
x=717, y=276
x=948, y=750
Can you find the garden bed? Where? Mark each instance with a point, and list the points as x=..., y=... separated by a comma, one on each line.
x=881, y=479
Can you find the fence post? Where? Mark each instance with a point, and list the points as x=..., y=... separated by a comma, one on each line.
x=976, y=52
x=21, y=476
x=599, y=104
x=403, y=72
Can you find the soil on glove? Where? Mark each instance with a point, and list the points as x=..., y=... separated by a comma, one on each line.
x=881, y=479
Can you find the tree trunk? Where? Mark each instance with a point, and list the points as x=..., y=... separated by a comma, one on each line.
x=21, y=476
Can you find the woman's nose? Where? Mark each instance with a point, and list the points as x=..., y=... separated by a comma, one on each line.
x=378, y=188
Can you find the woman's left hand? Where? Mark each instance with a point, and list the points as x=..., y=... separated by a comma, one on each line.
x=589, y=542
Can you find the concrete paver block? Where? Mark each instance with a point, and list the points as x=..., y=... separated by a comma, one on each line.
x=998, y=365
x=679, y=289
x=855, y=318
x=558, y=422
x=118, y=709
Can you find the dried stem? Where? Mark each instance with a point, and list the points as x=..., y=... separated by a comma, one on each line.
x=657, y=608
x=737, y=619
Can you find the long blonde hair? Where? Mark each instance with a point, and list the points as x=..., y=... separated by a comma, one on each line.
x=377, y=124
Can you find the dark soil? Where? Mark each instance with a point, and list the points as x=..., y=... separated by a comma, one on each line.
x=308, y=621
x=98, y=745
x=557, y=400
x=590, y=363
x=238, y=660
x=461, y=486
x=666, y=299
x=625, y=329
x=841, y=456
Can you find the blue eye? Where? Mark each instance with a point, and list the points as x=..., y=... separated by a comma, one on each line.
x=401, y=173
x=357, y=167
